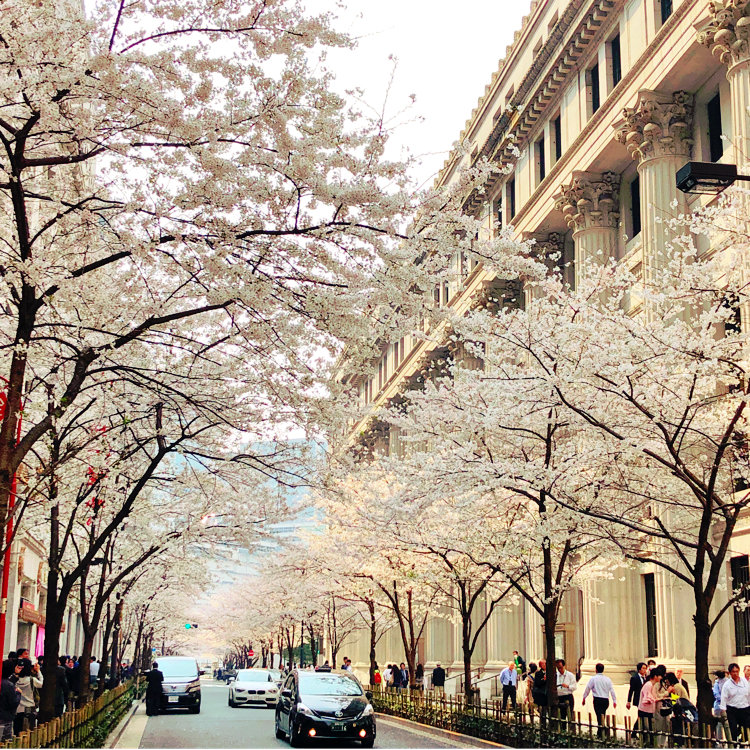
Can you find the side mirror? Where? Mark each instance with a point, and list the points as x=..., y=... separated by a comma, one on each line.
x=286, y=693
x=231, y=679
x=368, y=695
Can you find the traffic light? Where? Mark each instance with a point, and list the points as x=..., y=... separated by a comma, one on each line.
x=191, y=626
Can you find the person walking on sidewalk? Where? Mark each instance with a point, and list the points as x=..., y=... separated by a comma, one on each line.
x=602, y=688
x=509, y=681
x=734, y=700
x=154, y=680
x=10, y=697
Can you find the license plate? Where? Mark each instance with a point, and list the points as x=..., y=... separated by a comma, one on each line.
x=338, y=726
x=173, y=699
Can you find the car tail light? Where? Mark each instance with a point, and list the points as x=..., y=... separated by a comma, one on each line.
x=363, y=733
x=312, y=733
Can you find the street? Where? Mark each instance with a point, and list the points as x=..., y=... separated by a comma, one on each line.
x=219, y=726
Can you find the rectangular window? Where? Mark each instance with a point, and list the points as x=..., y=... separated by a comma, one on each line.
x=715, y=144
x=666, y=10
x=740, y=577
x=557, y=123
x=652, y=644
x=541, y=167
x=596, y=99
x=499, y=212
x=635, y=206
x=614, y=48
x=511, y=199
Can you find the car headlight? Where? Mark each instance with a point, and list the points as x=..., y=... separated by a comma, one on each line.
x=368, y=710
x=303, y=709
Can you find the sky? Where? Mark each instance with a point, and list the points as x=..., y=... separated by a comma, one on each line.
x=445, y=55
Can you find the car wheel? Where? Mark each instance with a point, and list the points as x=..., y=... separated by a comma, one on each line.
x=369, y=742
x=295, y=737
x=230, y=702
x=280, y=733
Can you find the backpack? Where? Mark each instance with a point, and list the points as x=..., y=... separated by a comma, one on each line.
x=377, y=679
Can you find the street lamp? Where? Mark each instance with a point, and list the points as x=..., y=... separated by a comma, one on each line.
x=708, y=178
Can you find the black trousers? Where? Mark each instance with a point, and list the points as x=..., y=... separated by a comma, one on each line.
x=600, y=709
x=739, y=718
x=153, y=703
x=509, y=691
x=566, y=704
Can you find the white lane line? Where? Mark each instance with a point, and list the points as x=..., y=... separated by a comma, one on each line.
x=446, y=735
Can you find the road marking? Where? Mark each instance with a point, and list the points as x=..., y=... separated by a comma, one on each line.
x=408, y=726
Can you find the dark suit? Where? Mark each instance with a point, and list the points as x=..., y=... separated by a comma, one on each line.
x=634, y=692
x=154, y=679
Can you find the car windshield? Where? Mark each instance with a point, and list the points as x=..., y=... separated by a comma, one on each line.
x=253, y=675
x=328, y=684
x=178, y=668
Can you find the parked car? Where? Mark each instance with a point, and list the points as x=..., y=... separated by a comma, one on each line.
x=253, y=687
x=182, y=686
x=325, y=706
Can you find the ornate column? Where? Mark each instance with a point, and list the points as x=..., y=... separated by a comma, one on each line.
x=728, y=38
x=590, y=205
x=548, y=248
x=658, y=134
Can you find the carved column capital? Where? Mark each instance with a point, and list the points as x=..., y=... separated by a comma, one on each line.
x=728, y=33
x=659, y=125
x=590, y=201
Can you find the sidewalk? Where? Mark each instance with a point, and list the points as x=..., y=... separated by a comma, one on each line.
x=128, y=733
x=454, y=738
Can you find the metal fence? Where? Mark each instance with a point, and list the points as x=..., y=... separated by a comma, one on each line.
x=523, y=728
x=88, y=726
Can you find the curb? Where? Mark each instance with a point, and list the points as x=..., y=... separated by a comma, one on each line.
x=466, y=740
x=116, y=734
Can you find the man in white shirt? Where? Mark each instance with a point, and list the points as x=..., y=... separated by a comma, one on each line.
x=566, y=685
x=602, y=688
x=509, y=681
x=93, y=671
x=735, y=700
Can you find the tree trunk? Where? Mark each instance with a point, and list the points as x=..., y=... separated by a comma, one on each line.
x=373, y=640
x=54, y=613
x=84, y=695
x=467, y=654
x=705, y=697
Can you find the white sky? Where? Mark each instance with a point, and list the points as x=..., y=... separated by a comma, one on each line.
x=446, y=56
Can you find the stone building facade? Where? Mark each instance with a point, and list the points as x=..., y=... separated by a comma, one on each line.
x=605, y=100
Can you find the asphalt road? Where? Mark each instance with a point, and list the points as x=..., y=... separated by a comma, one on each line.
x=219, y=726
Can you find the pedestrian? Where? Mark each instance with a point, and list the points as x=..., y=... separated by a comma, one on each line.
x=404, y=676
x=10, y=697
x=601, y=687
x=509, y=681
x=734, y=701
x=678, y=674
x=529, y=683
x=566, y=686
x=647, y=705
x=519, y=663
x=377, y=678
x=634, y=690
x=219, y=674
x=29, y=678
x=93, y=671
x=397, y=676
x=721, y=728
x=746, y=672
x=62, y=691
x=539, y=689
x=388, y=676
x=154, y=680
x=348, y=664
x=419, y=677
x=438, y=679
x=679, y=701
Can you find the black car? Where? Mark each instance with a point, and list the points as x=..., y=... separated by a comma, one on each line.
x=324, y=705
x=182, y=683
